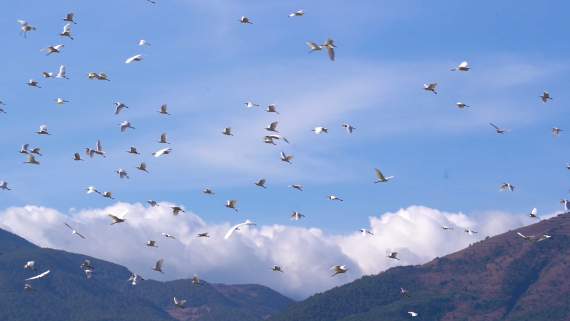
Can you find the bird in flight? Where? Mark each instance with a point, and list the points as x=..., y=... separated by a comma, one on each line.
x=461, y=105
x=295, y=186
x=506, y=185
x=272, y=127
x=119, y=106
x=162, y=139
x=162, y=110
x=349, y=128
x=208, y=191
x=118, y=219
x=533, y=214
x=107, y=194
x=528, y=238
x=205, y=234
x=86, y=264
x=545, y=96
x=500, y=131
x=471, y=232
x=227, y=131
x=124, y=125
x=39, y=276
x=447, y=227
x=544, y=237
x=4, y=186
x=33, y=83
x=244, y=20
x=25, y=27
x=231, y=204
x=158, y=267
x=271, y=109
x=135, y=278
x=31, y=160
x=260, y=183
x=334, y=198
x=365, y=231
x=176, y=210
x=430, y=87
x=196, y=280
x=61, y=73
x=381, y=177
x=250, y=104
x=286, y=158
x=66, y=31
x=168, y=236
x=92, y=189
x=393, y=255
x=30, y=265
x=236, y=227
x=164, y=151
x=276, y=269
x=404, y=292
x=74, y=231
x=143, y=42
x=122, y=173
x=296, y=216
x=134, y=58
x=319, y=130
x=179, y=303
x=556, y=131
x=297, y=13
x=151, y=243
x=100, y=76
x=89, y=273
x=339, y=269
x=51, y=49
x=462, y=67
x=69, y=17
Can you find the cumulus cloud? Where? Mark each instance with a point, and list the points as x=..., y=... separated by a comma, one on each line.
x=304, y=254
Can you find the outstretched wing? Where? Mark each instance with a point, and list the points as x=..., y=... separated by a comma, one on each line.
x=38, y=276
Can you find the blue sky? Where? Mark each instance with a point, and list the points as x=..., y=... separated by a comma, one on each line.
x=204, y=64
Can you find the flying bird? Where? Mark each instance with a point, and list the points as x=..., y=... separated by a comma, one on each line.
x=43, y=130
x=66, y=31
x=122, y=173
x=556, y=131
x=51, y=49
x=89, y=273
x=500, y=131
x=381, y=177
x=36, y=151
x=31, y=160
x=365, y=231
x=528, y=238
x=151, y=243
x=430, y=87
x=86, y=264
x=60, y=101
x=176, y=210
x=296, y=216
x=272, y=127
x=404, y=292
x=179, y=303
x=414, y=314
x=135, y=278
x=208, y=191
x=162, y=110
x=24, y=149
x=47, y=74
x=134, y=58
x=118, y=219
x=349, y=128
x=330, y=47
x=227, y=131
x=260, y=183
x=447, y=227
x=162, y=139
x=313, y=46
x=33, y=83
x=25, y=27
x=119, y=106
x=92, y=189
x=231, y=204
x=4, y=186
x=393, y=255
x=297, y=13
x=196, y=280
x=142, y=167
x=69, y=17
x=269, y=139
x=319, y=130
x=566, y=204
x=244, y=20
x=132, y=150
x=61, y=73
x=250, y=104
x=99, y=76
x=334, y=198
x=339, y=269
x=299, y=187
x=74, y=231
x=107, y=194
x=236, y=227
x=39, y=276
x=544, y=237
x=545, y=96
x=506, y=185
x=205, y=234
x=470, y=232
x=462, y=67
x=152, y=203
x=29, y=287
x=30, y=265
x=286, y=158
x=169, y=236
x=77, y=157
x=271, y=109
x=461, y=105
x=143, y=42
x=164, y=151
x=276, y=269
x=533, y=214
x=124, y=125
x=158, y=267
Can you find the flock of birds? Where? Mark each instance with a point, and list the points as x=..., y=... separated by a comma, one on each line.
x=269, y=139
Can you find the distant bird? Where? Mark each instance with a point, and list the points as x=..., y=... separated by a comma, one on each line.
x=236, y=227
x=89, y=273
x=528, y=238
x=393, y=255
x=244, y=20
x=566, y=204
x=196, y=280
x=298, y=13
x=205, y=234
x=176, y=302
x=470, y=232
x=51, y=49
x=99, y=76
x=162, y=139
x=135, y=278
x=231, y=204
x=164, y=151
x=47, y=74
x=330, y=48
x=500, y=131
x=334, y=198
x=30, y=265
x=365, y=231
x=381, y=177
x=339, y=269
x=349, y=128
x=143, y=42
x=271, y=109
x=227, y=131
x=142, y=167
x=118, y=219
x=176, y=210
x=1, y=103
x=169, y=236
x=506, y=185
x=119, y=106
x=86, y=264
x=272, y=127
x=404, y=292
x=25, y=27
x=462, y=67
x=66, y=31
x=31, y=160
x=545, y=96
x=92, y=189
x=533, y=214
x=39, y=276
x=158, y=267
x=299, y=187
x=132, y=150
x=556, y=131
x=2, y=110
x=152, y=203
x=286, y=158
x=74, y=231
x=413, y=313
x=162, y=110
x=276, y=269
x=269, y=139
x=260, y=183
x=151, y=243
x=98, y=149
x=60, y=101
x=544, y=237
x=107, y=194
x=447, y=227
x=319, y=130
x=43, y=130
x=122, y=173
x=36, y=151
x=24, y=149
x=124, y=125
x=4, y=186
x=313, y=46
x=208, y=191
x=250, y=104
x=69, y=17
x=461, y=105
x=296, y=216
x=134, y=58
x=61, y=73
x=29, y=287
x=430, y=87
x=33, y=83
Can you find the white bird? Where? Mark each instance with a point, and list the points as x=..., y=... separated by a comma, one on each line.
x=143, y=42
x=250, y=104
x=176, y=210
x=77, y=157
x=545, y=96
x=36, y=151
x=119, y=106
x=404, y=292
x=313, y=46
x=25, y=27
x=414, y=314
x=286, y=158
x=334, y=198
x=447, y=227
x=39, y=276
x=528, y=238
x=152, y=203
x=60, y=101
x=272, y=127
x=196, y=280
x=66, y=31
x=89, y=273
x=231, y=204
x=227, y=131
x=132, y=150
x=462, y=67
x=260, y=183
x=365, y=231
x=4, y=186
x=135, y=278
x=276, y=269
x=544, y=237
x=500, y=131
x=169, y=236
x=319, y=130
x=51, y=49
x=30, y=265
x=296, y=216
x=556, y=131
x=229, y=233
x=271, y=109
x=29, y=287
x=349, y=128
x=122, y=173
x=124, y=125
x=118, y=219
x=179, y=303
x=393, y=255
x=299, y=187
x=86, y=264
x=381, y=177
x=74, y=231
x=47, y=74
x=162, y=110
x=430, y=87
x=43, y=130
x=566, y=204
x=461, y=105
x=164, y=151
x=98, y=150
x=470, y=232
x=69, y=17
x=33, y=83
x=269, y=139
x=142, y=167
x=533, y=214
x=339, y=269
x=108, y=195
x=506, y=185
x=151, y=243
x=298, y=13
x=31, y=160
x=100, y=76
x=134, y=58
x=244, y=20
x=205, y=234
x=208, y=191
x=92, y=189
x=330, y=47
x=162, y=139
x=24, y=149
x=158, y=267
